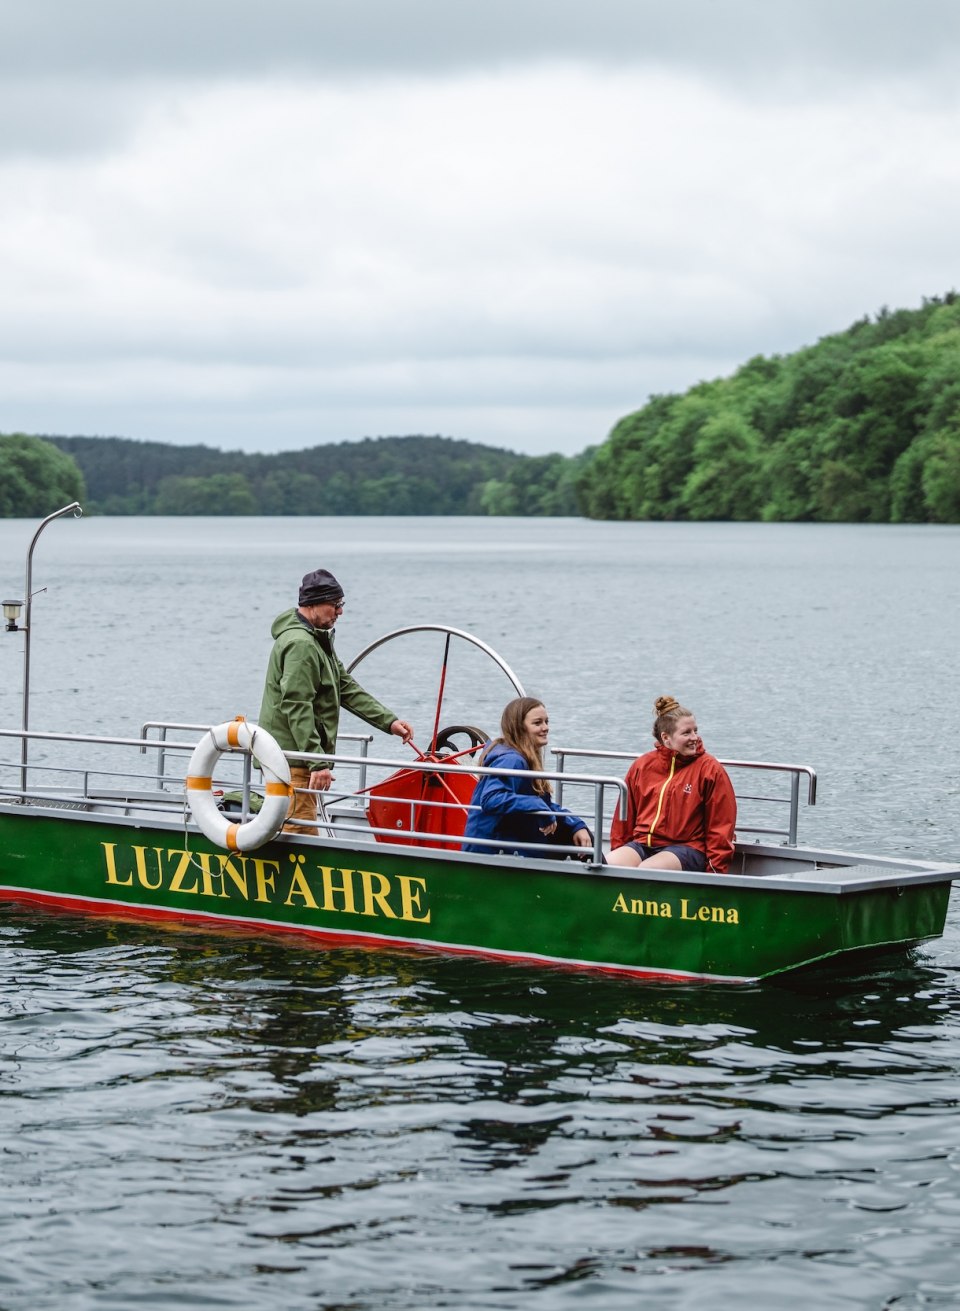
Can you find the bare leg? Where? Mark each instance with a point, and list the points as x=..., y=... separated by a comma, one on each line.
x=662, y=860
x=623, y=856
x=626, y=856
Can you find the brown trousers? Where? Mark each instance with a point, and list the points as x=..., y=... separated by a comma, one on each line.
x=302, y=806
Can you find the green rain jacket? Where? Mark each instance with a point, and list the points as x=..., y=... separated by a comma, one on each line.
x=305, y=687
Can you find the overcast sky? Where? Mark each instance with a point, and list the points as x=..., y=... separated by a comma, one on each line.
x=268, y=224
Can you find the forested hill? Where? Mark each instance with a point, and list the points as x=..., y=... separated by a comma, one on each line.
x=383, y=475
x=862, y=427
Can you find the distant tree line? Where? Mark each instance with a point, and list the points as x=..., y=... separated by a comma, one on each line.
x=864, y=426
x=383, y=475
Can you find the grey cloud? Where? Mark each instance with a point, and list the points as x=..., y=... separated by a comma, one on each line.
x=51, y=116
x=762, y=40
x=519, y=255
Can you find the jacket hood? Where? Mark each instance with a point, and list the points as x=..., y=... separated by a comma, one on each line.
x=283, y=623
x=290, y=621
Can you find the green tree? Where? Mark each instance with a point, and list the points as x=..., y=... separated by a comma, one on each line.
x=858, y=427
x=925, y=483
x=220, y=494
x=537, y=486
x=723, y=482
x=941, y=475
x=286, y=491
x=498, y=497
x=842, y=493
x=36, y=478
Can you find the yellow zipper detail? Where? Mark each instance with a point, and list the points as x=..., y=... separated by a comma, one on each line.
x=666, y=783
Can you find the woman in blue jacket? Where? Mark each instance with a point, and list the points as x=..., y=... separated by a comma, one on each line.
x=516, y=809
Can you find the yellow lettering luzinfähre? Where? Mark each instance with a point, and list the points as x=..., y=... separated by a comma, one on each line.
x=378, y=897
x=184, y=866
x=140, y=860
x=240, y=877
x=237, y=876
x=410, y=898
x=109, y=850
x=330, y=889
x=263, y=878
x=299, y=887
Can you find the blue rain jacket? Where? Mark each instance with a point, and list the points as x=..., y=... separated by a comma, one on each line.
x=510, y=809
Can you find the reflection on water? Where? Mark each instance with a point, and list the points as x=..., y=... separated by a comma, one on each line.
x=278, y=1126
x=193, y=1119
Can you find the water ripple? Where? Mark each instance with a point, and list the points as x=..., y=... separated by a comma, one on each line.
x=219, y=1122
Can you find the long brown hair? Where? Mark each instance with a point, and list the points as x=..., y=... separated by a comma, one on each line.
x=513, y=734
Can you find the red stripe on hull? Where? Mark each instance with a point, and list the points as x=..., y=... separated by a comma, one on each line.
x=335, y=937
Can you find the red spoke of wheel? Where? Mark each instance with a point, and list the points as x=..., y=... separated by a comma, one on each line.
x=443, y=679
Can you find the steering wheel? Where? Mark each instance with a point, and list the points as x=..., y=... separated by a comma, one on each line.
x=447, y=741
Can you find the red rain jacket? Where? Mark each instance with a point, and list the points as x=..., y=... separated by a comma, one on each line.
x=676, y=799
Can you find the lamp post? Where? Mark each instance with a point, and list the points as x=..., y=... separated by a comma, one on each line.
x=11, y=612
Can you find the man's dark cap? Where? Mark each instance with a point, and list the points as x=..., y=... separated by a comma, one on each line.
x=319, y=586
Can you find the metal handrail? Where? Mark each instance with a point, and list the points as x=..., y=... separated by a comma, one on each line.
x=561, y=775
x=363, y=738
x=793, y=801
x=457, y=839
x=599, y=783
x=95, y=738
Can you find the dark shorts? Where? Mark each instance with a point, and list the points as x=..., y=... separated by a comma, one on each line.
x=689, y=857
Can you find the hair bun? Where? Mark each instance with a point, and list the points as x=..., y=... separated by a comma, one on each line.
x=664, y=705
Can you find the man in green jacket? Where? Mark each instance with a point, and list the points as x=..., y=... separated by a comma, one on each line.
x=305, y=687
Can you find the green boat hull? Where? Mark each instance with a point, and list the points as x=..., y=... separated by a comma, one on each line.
x=736, y=928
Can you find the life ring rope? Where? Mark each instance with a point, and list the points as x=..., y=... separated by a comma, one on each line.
x=238, y=734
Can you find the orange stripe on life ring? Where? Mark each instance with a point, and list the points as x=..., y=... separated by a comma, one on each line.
x=233, y=733
x=278, y=789
x=199, y=783
x=231, y=837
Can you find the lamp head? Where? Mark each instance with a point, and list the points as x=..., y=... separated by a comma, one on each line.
x=11, y=612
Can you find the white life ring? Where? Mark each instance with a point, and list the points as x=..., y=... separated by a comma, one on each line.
x=267, y=823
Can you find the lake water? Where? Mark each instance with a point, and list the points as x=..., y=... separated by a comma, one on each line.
x=199, y=1120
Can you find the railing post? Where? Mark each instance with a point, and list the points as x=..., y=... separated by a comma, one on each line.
x=364, y=743
x=794, y=808
x=162, y=758
x=598, y=823
x=561, y=756
x=247, y=772
x=74, y=509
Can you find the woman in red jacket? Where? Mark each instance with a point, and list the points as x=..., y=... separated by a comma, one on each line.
x=681, y=810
